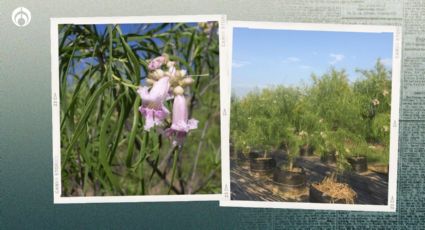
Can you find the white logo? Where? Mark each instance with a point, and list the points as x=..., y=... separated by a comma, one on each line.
x=21, y=16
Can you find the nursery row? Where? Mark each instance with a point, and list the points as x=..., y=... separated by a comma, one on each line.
x=311, y=179
x=338, y=118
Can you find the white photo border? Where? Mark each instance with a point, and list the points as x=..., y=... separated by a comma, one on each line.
x=394, y=132
x=54, y=34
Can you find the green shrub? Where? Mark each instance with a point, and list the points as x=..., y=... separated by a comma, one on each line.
x=331, y=114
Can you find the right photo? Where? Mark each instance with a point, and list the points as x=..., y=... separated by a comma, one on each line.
x=311, y=116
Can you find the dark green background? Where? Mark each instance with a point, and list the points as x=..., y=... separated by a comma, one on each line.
x=26, y=188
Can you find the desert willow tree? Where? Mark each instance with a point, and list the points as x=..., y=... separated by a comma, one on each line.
x=139, y=109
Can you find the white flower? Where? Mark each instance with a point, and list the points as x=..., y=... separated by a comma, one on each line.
x=375, y=102
x=302, y=133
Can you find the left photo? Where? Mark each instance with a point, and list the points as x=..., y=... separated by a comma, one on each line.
x=136, y=108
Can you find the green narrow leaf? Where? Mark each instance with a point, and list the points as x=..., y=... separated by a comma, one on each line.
x=190, y=46
x=121, y=120
x=133, y=132
x=103, y=151
x=87, y=111
x=74, y=97
x=135, y=63
x=140, y=163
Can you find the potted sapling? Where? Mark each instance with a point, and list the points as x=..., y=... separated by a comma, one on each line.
x=358, y=160
x=240, y=147
x=307, y=147
x=306, y=123
x=331, y=189
x=262, y=165
x=289, y=178
x=310, y=141
x=328, y=147
x=380, y=148
x=356, y=149
x=261, y=162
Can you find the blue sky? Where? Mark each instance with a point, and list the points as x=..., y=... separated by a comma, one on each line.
x=264, y=57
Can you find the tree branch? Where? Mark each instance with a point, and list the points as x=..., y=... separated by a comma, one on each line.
x=195, y=164
x=162, y=176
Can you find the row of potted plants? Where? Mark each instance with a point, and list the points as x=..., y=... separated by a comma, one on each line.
x=344, y=122
x=291, y=179
x=338, y=148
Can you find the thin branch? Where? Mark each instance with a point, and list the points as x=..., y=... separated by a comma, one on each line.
x=212, y=82
x=162, y=176
x=205, y=182
x=179, y=171
x=195, y=164
x=167, y=158
x=176, y=155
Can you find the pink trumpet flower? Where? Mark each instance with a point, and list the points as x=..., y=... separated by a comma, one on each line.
x=156, y=63
x=153, y=108
x=180, y=125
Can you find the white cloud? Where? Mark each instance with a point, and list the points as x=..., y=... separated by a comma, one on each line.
x=336, y=58
x=291, y=60
x=387, y=62
x=239, y=64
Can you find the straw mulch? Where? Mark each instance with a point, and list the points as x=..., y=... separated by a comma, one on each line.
x=338, y=191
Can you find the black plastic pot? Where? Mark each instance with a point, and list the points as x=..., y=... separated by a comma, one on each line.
x=238, y=159
x=317, y=196
x=289, y=181
x=329, y=157
x=359, y=164
x=306, y=150
x=255, y=154
x=262, y=166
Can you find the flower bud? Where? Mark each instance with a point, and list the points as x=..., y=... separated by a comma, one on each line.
x=157, y=74
x=166, y=58
x=150, y=81
x=187, y=81
x=170, y=64
x=181, y=73
x=156, y=63
x=171, y=69
x=178, y=90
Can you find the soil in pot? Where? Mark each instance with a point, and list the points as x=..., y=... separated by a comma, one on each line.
x=331, y=191
x=262, y=167
x=329, y=157
x=358, y=163
x=306, y=150
x=289, y=182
